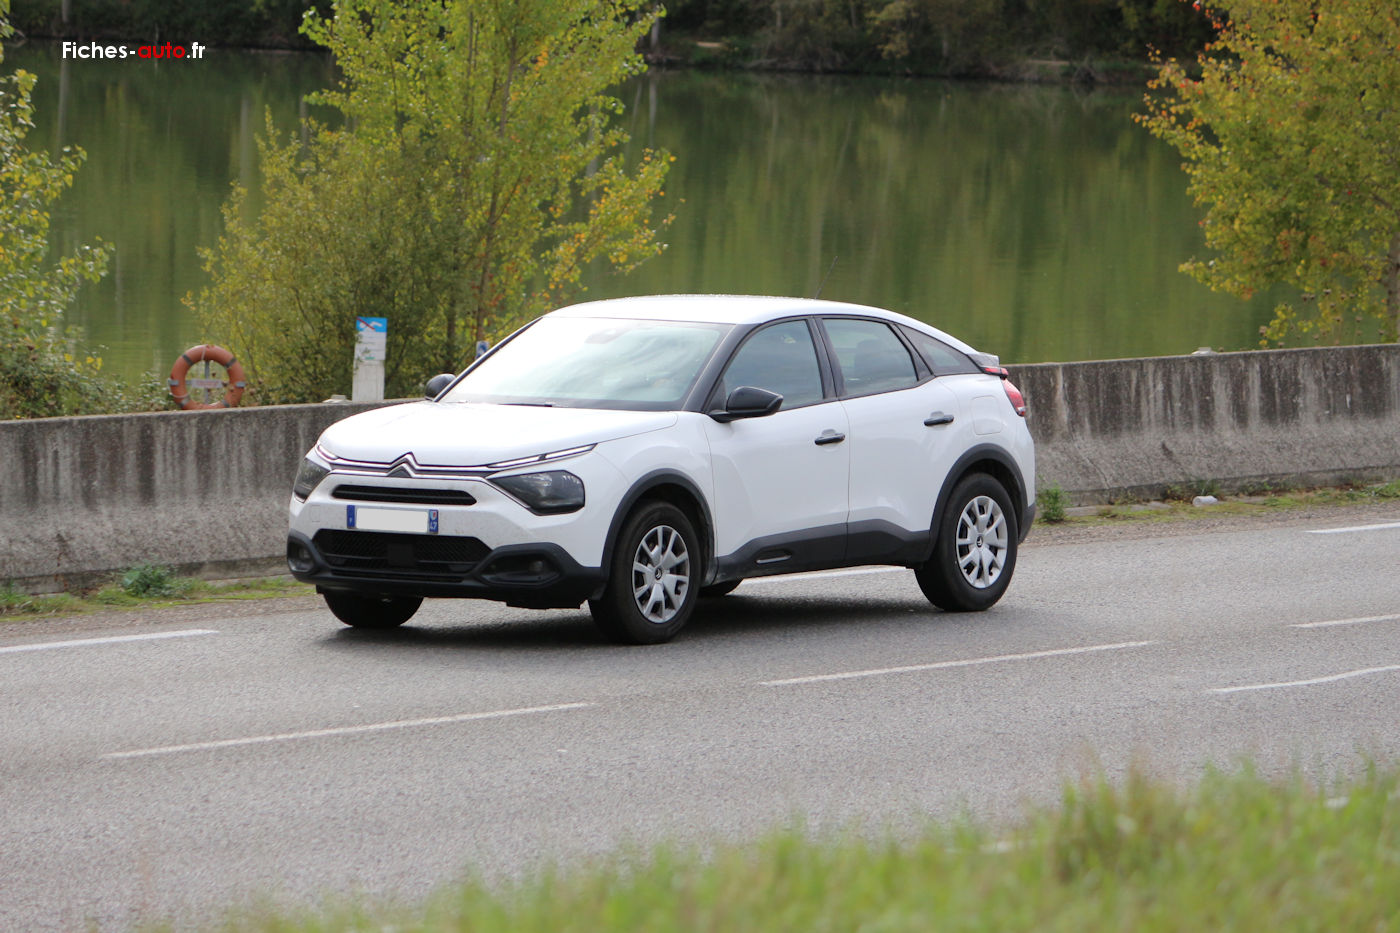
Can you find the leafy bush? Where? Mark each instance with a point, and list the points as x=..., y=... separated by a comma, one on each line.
x=1051, y=503
x=1286, y=125
x=41, y=370
x=457, y=202
x=152, y=580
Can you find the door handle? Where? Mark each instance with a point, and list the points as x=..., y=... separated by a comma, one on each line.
x=937, y=418
x=829, y=437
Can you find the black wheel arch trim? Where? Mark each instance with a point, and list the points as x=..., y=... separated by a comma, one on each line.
x=1025, y=511
x=653, y=481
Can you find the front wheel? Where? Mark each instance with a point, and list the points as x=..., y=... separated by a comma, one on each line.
x=363, y=610
x=974, y=550
x=651, y=591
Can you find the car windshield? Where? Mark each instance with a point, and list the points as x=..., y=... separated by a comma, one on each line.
x=579, y=362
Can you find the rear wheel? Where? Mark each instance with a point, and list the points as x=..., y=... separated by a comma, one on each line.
x=363, y=610
x=974, y=551
x=651, y=590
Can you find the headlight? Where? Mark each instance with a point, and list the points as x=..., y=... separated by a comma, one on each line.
x=308, y=478
x=545, y=493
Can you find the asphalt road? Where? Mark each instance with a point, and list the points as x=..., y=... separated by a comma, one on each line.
x=170, y=767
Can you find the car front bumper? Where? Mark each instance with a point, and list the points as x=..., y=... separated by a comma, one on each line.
x=478, y=543
x=535, y=576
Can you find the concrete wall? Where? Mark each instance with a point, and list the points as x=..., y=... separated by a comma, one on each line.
x=1130, y=427
x=81, y=498
x=203, y=491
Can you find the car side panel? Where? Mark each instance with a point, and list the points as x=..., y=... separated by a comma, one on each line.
x=772, y=478
x=898, y=463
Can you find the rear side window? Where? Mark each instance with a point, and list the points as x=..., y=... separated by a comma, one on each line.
x=780, y=358
x=941, y=358
x=871, y=356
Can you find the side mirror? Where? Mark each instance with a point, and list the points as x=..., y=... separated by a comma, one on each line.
x=436, y=384
x=748, y=402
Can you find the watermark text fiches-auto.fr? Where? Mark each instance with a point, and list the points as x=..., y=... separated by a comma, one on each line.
x=97, y=50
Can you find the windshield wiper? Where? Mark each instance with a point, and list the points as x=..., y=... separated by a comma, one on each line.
x=532, y=404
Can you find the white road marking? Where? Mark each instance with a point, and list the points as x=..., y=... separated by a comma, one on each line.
x=109, y=640
x=343, y=730
x=969, y=662
x=1357, y=621
x=1331, y=679
x=818, y=575
x=1351, y=528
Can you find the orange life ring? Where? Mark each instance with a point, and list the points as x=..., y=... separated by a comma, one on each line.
x=236, y=383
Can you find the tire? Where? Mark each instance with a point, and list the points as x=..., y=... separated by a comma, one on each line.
x=716, y=590
x=362, y=610
x=974, y=549
x=649, y=595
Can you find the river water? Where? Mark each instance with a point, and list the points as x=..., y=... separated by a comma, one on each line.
x=1039, y=223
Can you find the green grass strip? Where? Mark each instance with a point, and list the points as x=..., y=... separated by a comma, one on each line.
x=135, y=590
x=1234, y=852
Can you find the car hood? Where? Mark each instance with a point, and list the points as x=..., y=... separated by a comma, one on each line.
x=473, y=434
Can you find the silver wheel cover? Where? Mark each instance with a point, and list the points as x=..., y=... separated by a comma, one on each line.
x=660, y=574
x=981, y=542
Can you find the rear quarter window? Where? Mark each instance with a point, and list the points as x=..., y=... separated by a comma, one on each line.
x=942, y=359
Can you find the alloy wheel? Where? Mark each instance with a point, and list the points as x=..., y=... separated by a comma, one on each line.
x=981, y=542
x=660, y=574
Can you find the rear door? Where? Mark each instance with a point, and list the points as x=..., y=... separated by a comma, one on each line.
x=906, y=430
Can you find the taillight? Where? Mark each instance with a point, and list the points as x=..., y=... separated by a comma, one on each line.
x=1018, y=401
x=1013, y=394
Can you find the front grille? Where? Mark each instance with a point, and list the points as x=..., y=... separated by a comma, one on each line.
x=415, y=496
x=407, y=557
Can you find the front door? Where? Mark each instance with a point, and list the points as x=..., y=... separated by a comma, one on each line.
x=780, y=480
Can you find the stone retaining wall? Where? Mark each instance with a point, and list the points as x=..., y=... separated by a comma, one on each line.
x=82, y=498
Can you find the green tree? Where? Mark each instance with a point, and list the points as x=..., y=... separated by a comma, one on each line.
x=475, y=175
x=41, y=370
x=1288, y=124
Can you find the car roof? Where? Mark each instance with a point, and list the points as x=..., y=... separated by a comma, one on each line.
x=737, y=309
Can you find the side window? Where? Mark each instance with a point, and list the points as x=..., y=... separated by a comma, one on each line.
x=779, y=358
x=872, y=357
x=941, y=358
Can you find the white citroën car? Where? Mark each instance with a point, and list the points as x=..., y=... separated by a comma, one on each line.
x=642, y=453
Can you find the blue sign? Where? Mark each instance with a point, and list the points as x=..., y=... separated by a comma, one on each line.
x=371, y=339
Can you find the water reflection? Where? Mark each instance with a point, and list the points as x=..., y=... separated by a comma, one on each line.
x=164, y=141
x=1038, y=223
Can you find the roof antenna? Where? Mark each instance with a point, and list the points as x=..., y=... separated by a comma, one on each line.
x=825, y=277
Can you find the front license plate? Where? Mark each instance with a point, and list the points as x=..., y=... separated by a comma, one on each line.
x=410, y=521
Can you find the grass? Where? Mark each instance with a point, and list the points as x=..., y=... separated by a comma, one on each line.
x=1260, y=499
x=1185, y=492
x=144, y=586
x=1234, y=852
